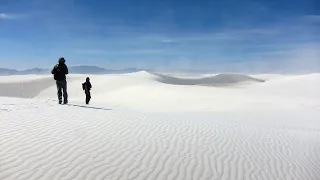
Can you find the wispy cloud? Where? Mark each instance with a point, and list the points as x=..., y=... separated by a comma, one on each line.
x=91, y=51
x=226, y=35
x=119, y=52
x=168, y=41
x=144, y=51
x=312, y=18
x=4, y=16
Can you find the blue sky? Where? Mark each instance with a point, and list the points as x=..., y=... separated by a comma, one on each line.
x=161, y=34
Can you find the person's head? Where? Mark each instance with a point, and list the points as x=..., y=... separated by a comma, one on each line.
x=87, y=79
x=61, y=60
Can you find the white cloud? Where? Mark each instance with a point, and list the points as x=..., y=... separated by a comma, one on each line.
x=91, y=51
x=143, y=51
x=230, y=35
x=312, y=18
x=104, y=52
x=168, y=41
x=4, y=16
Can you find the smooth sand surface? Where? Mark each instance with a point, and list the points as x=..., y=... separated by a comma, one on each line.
x=138, y=127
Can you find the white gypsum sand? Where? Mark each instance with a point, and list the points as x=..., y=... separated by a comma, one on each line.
x=152, y=126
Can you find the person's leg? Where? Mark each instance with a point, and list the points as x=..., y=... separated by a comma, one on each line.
x=65, y=93
x=88, y=97
x=59, y=93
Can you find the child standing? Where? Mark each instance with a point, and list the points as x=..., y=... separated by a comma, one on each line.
x=86, y=86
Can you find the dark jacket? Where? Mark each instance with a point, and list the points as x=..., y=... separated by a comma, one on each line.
x=59, y=71
x=86, y=86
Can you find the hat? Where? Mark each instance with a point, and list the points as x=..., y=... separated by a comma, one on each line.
x=62, y=60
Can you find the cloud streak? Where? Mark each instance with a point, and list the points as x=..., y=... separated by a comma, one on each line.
x=119, y=52
x=312, y=18
x=4, y=16
x=92, y=51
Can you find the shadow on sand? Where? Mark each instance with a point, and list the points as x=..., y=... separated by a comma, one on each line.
x=89, y=107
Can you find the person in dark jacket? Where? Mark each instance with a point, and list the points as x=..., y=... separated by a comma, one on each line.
x=86, y=86
x=59, y=72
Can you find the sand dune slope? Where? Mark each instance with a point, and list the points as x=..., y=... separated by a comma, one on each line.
x=138, y=127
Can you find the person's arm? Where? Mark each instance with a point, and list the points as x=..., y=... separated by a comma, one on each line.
x=66, y=69
x=53, y=71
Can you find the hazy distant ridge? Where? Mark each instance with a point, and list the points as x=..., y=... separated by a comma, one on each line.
x=72, y=70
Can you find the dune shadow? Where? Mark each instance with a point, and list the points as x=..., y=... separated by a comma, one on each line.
x=220, y=80
x=89, y=107
x=28, y=88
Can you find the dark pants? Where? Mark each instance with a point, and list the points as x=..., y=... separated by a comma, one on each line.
x=88, y=97
x=62, y=87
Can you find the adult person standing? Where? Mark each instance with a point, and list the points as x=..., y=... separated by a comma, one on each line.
x=59, y=72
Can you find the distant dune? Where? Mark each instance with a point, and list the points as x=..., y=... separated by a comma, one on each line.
x=83, y=69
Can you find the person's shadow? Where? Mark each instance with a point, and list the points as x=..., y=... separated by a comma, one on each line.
x=90, y=107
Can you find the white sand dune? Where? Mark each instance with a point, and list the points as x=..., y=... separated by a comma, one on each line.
x=140, y=127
